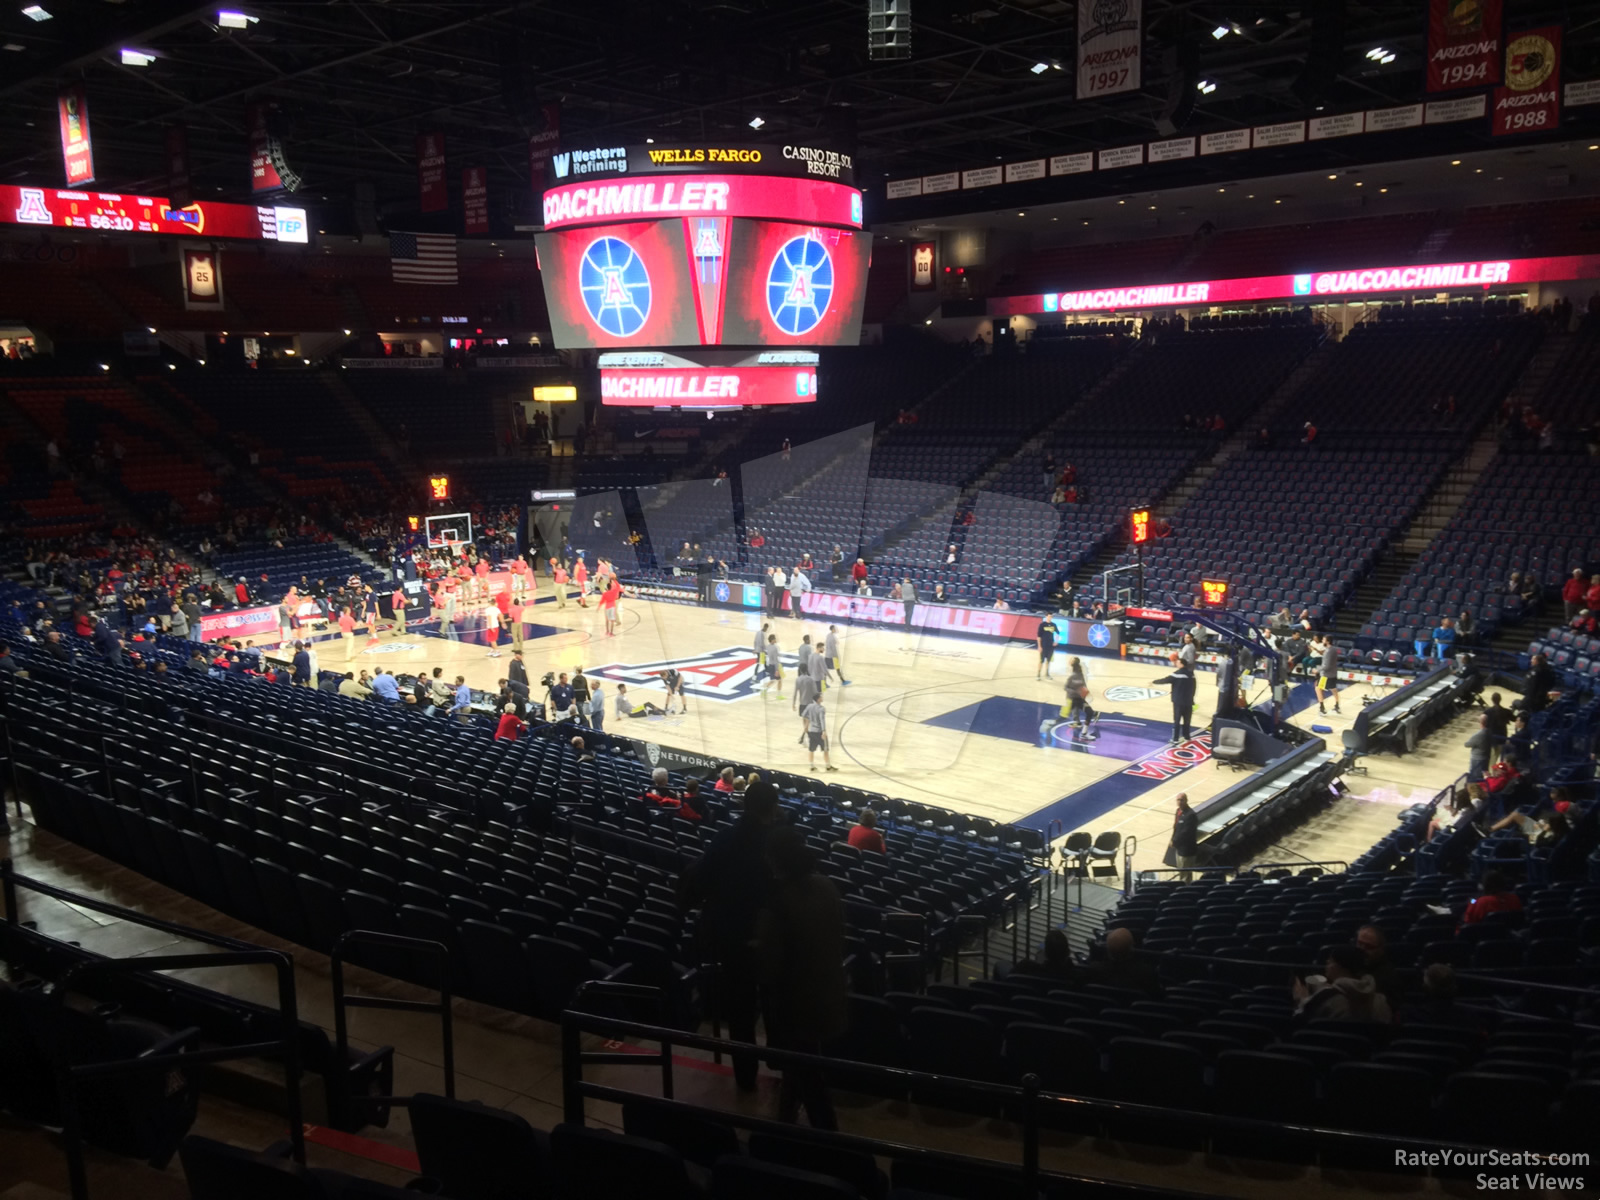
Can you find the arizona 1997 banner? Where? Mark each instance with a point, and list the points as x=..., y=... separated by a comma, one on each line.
x=1110, y=46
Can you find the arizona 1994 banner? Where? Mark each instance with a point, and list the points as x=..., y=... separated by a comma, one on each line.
x=1463, y=44
x=1110, y=46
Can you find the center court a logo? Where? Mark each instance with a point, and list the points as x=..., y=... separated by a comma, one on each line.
x=391, y=648
x=722, y=675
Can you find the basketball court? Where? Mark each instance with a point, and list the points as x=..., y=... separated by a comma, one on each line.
x=934, y=718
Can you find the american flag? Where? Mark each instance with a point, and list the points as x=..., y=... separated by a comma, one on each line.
x=423, y=257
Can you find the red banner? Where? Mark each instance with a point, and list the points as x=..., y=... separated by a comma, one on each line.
x=1530, y=101
x=263, y=172
x=1463, y=44
x=77, y=154
x=433, y=189
x=202, y=280
x=708, y=387
x=544, y=143
x=179, y=189
x=475, y=199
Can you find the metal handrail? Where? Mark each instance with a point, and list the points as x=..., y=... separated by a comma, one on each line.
x=1026, y=1098
x=343, y=1001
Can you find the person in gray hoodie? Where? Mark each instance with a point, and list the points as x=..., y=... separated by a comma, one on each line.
x=1345, y=991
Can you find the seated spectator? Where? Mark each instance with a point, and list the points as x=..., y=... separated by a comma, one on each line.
x=1437, y=1005
x=1374, y=946
x=660, y=793
x=1343, y=992
x=725, y=780
x=8, y=662
x=692, y=806
x=1057, y=962
x=1496, y=896
x=1121, y=968
x=864, y=834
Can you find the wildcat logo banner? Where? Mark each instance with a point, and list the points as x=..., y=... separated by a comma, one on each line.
x=1110, y=47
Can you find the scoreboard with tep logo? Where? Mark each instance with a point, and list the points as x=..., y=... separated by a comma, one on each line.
x=739, y=245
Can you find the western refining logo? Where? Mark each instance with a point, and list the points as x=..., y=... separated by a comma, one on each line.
x=569, y=163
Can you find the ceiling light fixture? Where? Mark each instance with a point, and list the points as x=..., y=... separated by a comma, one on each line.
x=1221, y=31
x=1455, y=162
x=137, y=58
x=757, y=122
x=14, y=46
x=1205, y=87
x=1386, y=59
x=37, y=13
x=236, y=20
x=1333, y=177
x=1376, y=53
x=1039, y=68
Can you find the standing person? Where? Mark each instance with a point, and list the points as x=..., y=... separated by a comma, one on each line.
x=519, y=578
x=830, y=655
x=800, y=943
x=761, y=650
x=347, y=630
x=608, y=604
x=302, y=666
x=558, y=580
x=780, y=584
x=461, y=708
x=805, y=652
x=673, y=678
x=815, y=715
x=447, y=615
x=1572, y=593
x=510, y=724
x=284, y=618
x=807, y=688
x=580, y=580
x=908, y=597
x=514, y=619
x=1185, y=836
x=1498, y=719
x=580, y=696
x=369, y=613
x=1078, y=712
x=192, y=616
x=799, y=585
x=597, y=705
x=1046, y=641
x=397, y=603
x=1328, y=676
x=1188, y=651
x=858, y=574
x=730, y=884
x=1181, y=681
x=774, y=665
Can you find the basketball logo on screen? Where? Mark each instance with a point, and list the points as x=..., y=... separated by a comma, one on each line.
x=615, y=287
x=799, y=285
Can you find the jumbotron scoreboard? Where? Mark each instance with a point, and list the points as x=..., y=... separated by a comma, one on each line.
x=648, y=247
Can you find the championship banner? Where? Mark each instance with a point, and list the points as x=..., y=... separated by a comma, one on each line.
x=475, y=199
x=1530, y=101
x=546, y=142
x=922, y=265
x=433, y=188
x=77, y=153
x=1463, y=44
x=1110, y=46
x=179, y=189
x=263, y=170
x=202, y=280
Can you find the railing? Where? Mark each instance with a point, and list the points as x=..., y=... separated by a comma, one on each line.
x=1026, y=1103
x=1220, y=871
x=170, y=1052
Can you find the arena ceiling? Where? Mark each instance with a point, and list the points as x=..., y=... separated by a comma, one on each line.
x=356, y=81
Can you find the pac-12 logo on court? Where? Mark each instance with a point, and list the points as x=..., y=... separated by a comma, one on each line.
x=615, y=286
x=725, y=675
x=1122, y=693
x=1099, y=636
x=799, y=285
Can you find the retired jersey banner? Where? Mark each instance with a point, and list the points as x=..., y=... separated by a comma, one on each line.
x=1110, y=46
x=475, y=200
x=544, y=143
x=1463, y=44
x=263, y=167
x=77, y=154
x=923, y=256
x=179, y=186
x=433, y=188
x=1530, y=99
x=202, y=280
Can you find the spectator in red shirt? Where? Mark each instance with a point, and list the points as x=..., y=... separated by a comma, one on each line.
x=1310, y=434
x=1497, y=897
x=859, y=572
x=1572, y=593
x=864, y=834
x=1591, y=598
x=510, y=725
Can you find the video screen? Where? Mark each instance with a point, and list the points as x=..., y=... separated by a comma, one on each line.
x=704, y=281
x=795, y=285
x=619, y=285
